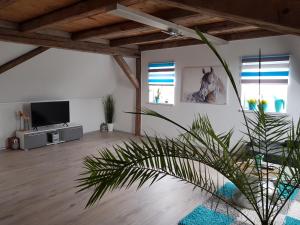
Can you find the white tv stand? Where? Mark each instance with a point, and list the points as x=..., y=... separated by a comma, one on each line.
x=38, y=138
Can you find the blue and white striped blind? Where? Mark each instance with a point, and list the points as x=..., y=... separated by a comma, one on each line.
x=161, y=73
x=274, y=69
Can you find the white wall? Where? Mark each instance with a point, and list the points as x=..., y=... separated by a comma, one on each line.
x=222, y=117
x=82, y=78
x=85, y=78
x=125, y=100
x=55, y=74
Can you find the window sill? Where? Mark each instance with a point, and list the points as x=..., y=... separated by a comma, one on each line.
x=162, y=104
x=273, y=113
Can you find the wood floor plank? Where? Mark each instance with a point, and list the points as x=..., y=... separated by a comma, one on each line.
x=38, y=188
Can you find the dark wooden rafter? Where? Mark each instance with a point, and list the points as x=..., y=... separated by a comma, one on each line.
x=5, y=3
x=224, y=27
x=23, y=58
x=106, y=31
x=169, y=44
x=277, y=16
x=64, y=43
x=187, y=42
x=138, y=99
x=248, y=35
x=129, y=27
x=127, y=71
x=139, y=39
x=78, y=10
x=214, y=28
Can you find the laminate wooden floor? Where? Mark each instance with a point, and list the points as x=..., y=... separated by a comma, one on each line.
x=38, y=188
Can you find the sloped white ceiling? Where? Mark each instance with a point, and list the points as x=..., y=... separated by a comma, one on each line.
x=56, y=74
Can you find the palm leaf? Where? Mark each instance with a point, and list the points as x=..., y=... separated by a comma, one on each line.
x=198, y=153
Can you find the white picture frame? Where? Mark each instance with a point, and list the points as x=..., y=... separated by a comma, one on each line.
x=204, y=84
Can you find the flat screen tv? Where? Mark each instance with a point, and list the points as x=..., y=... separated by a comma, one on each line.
x=49, y=113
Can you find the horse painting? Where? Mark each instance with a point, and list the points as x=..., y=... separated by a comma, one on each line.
x=212, y=89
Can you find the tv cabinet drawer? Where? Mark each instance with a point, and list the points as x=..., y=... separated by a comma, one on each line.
x=71, y=133
x=35, y=140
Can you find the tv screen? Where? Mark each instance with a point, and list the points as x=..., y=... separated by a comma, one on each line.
x=49, y=113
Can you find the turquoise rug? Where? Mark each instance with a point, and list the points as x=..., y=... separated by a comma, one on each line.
x=217, y=213
x=202, y=215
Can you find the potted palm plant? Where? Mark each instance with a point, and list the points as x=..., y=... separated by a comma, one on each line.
x=199, y=152
x=157, y=96
x=109, y=111
x=252, y=104
x=263, y=104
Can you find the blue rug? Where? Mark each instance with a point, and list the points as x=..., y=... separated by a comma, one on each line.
x=286, y=189
x=227, y=190
x=204, y=214
x=291, y=221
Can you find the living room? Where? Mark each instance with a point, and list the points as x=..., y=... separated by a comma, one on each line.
x=101, y=98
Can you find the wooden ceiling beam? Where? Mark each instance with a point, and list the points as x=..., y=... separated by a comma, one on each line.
x=139, y=39
x=187, y=42
x=107, y=31
x=249, y=35
x=78, y=10
x=138, y=98
x=221, y=26
x=174, y=15
x=161, y=24
x=46, y=40
x=5, y=3
x=127, y=71
x=278, y=16
x=23, y=58
x=214, y=28
x=169, y=44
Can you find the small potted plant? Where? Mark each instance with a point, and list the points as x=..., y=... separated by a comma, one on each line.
x=263, y=104
x=252, y=104
x=157, y=96
x=109, y=111
x=279, y=105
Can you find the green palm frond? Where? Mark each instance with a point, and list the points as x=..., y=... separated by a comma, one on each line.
x=199, y=153
x=109, y=108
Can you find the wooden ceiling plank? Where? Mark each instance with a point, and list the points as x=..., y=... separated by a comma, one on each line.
x=23, y=58
x=5, y=3
x=46, y=40
x=139, y=39
x=156, y=22
x=103, y=32
x=127, y=71
x=188, y=42
x=169, y=44
x=214, y=28
x=277, y=16
x=131, y=26
x=78, y=10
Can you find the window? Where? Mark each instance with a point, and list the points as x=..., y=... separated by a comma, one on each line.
x=273, y=78
x=161, y=81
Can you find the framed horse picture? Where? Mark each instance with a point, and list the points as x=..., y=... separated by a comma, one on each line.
x=204, y=85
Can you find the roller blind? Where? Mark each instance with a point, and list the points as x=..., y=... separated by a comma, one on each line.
x=161, y=73
x=274, y=69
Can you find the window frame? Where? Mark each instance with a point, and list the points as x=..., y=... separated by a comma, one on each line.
x=171, y=85
x=265, y=81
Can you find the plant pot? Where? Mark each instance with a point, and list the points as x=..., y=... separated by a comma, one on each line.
x=156, y=100
x=252, y=106
x=279, y=105
x=110, y=127
x=264, y=107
